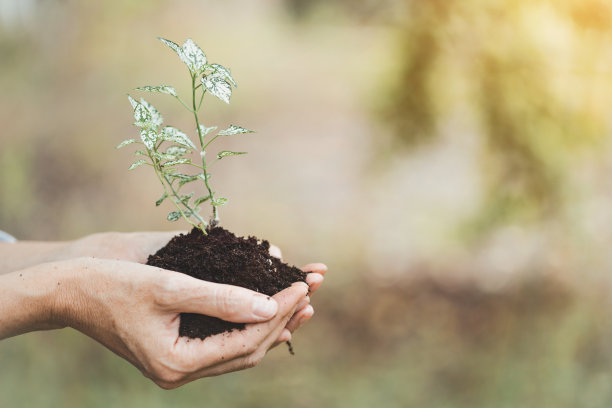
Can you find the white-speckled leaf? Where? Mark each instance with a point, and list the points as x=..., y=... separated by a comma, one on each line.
x=226, y=153
x=174, y=135
x=176, y=151
x=225, y=72
x=234, y=130
x=176, y=162
x=156, y=117
x=193, y=56
x=168, y=90
x=141, y=115
x=149, y=137
x=217, y=202
x=174, y=46
x=173, y=216
x=206, y=130
x=216, y=84
x=140, y=153
x=133, y=101
x=125, y=143
x=137, y=164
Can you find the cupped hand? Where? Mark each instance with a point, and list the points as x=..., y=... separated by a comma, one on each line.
x=137, y=246
x=134, y=310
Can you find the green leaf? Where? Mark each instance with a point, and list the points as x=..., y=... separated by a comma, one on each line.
x=179, y=176
x=201, y=200
x=226, y=153
x=174, y=216
x=193, y=56
x=149, y=137
x=206, y=130
x=216, y=84
x=140, y=153
x=225, y=72
x=234, y=130
x=168, y=90
x=174, y=135
x=187, y=180
x=185, y=198
x=125, y=143
x=137, y=164
x=176, y=151
x=219, y=201
x=161, y=199
x=176, y=162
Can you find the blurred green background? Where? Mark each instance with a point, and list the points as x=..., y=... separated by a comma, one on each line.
x=449, y=160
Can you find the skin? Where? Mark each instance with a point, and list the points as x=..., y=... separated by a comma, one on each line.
x=100, y=286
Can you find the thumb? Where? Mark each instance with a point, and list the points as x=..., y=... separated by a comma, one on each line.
x=227, y=302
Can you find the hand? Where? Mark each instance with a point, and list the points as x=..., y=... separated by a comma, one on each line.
x=134, y=310
x=137, y=246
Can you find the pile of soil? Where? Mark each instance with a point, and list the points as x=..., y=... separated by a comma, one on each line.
x=222, y=257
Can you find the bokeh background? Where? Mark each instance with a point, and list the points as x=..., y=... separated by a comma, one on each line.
x=449, y=160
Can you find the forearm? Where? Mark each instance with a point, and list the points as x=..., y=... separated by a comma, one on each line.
x=24, y=254
x=29, y=299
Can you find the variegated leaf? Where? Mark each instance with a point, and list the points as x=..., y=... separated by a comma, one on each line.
x=216, y=84
x=234, y=130
x=149, y=137
x=156, y=118
x=193, y=56
x=225, y=72
x=137, y=164
x=226, y=153
x=174, y=216
x=125, y=143
x=168, y=90
x=206, y=130
x=174, y=135
x=217, y=202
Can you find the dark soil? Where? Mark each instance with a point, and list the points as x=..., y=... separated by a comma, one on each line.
x=221, y=257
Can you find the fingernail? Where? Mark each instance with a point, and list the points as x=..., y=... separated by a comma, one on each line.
x=264, y=307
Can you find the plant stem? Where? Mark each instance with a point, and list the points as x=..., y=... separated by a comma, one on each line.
x=161, y=177
x=215, y=220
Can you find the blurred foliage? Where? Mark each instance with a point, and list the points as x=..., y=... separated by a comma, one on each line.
x=529, y=74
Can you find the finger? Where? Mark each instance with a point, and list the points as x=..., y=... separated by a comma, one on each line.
x=314, y=281
x=300, y=317
x=275, y=252
x=315, y=267
x=185, y=294
x=239, y=349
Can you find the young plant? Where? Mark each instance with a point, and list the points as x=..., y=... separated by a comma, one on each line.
x=166, y=149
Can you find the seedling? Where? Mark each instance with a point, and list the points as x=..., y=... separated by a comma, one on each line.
x=166, y=149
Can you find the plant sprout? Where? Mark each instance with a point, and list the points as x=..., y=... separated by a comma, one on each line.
x=166, y=148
